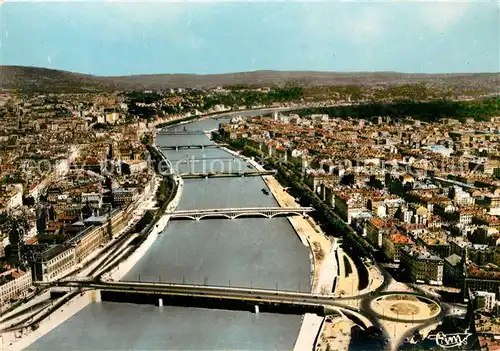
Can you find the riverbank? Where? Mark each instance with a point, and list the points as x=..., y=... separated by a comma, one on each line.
x=311, y=325
x=118, y=272
x=323, y=261
x=321, y=247
x=322, y=254
x=21, y=340
x=123, y=268
x=335, y=334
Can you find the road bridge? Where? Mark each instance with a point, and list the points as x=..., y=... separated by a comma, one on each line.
x=193, y=159
x=454, y=182
x=147, y=292
x=181, y=132
x=192, y=146
x=226, y=174
x=233, y=213
x=196, y=295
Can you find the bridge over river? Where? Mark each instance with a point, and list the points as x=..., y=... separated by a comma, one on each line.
x=192, y=146
x=181, y=132
x=206, y=296
x=241, y=298
x=226, y=174
x=233, y=213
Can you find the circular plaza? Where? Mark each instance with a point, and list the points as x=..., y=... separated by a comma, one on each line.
x=405, y=307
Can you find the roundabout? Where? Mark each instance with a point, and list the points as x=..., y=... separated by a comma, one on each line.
x=405, y=307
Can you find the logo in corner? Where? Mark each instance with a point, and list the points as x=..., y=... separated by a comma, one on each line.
x=448, y=341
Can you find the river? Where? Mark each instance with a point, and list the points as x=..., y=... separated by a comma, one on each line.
x=254, y=252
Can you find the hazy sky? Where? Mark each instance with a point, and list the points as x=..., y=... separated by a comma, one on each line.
x=119, y=38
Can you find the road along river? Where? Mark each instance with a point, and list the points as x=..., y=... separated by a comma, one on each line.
x=254, y=252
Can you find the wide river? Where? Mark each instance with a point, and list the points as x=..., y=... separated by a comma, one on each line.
x=244, y=252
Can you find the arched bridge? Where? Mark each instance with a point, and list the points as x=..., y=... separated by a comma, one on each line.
x=193, y=146
x=181, y=132
x=232, y=213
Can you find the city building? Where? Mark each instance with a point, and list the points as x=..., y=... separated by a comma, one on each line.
x=485, y=278
x=347, y=205
x=122, y=196
x=376, y=227
x=422, y=265
x=392, y=244
x=453, y=270
x=14, y=284
x=54, y=263
x=485, y=300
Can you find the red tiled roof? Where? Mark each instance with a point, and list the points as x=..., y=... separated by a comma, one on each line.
x=399, y=238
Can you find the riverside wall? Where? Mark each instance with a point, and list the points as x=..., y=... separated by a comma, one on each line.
x=311, y=327
x=320, y=272
x=14, y=341
x=123, y=268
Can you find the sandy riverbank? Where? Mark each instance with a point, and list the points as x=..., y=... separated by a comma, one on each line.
x=308, y=231
x=322, y=255
x=323, y=261
x=335, y=334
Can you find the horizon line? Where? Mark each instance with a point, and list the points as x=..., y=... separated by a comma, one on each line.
x=252, y=71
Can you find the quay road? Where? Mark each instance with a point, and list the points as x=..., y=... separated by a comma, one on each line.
x=192, y=146
x=226, y=174
x=233, y=213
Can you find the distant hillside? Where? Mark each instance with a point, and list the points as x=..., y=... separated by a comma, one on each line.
x=34, y=78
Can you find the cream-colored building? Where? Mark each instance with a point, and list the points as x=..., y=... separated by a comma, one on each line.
x=16, y=284
x=54, y=263
x=59, y=260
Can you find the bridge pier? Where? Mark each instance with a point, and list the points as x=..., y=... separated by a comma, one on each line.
x=95, y=296
x=257, y=309
x=160, y=302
